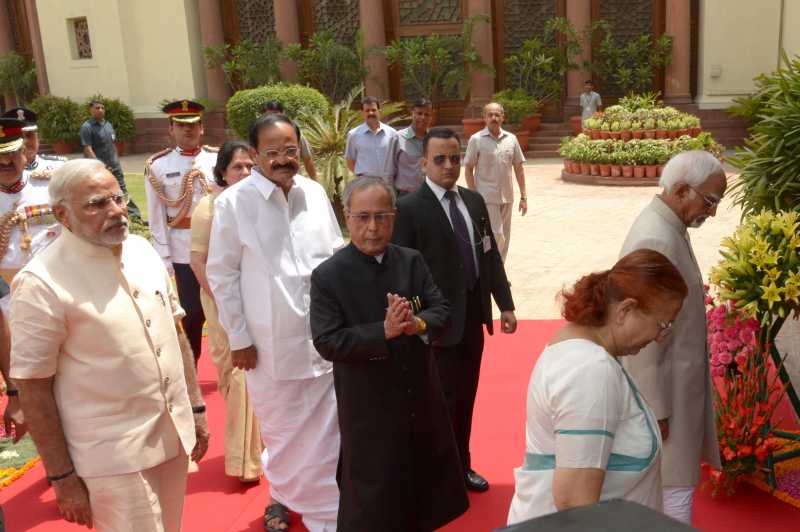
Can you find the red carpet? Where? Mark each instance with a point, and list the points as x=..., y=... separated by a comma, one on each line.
x=216, y=503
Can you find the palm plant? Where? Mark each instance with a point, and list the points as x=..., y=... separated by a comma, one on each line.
x=327, y=135
x=770, y=160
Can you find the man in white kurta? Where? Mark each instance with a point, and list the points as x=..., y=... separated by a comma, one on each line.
x=270, y=231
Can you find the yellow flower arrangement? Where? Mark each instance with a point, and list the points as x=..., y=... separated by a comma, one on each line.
x=760, y=267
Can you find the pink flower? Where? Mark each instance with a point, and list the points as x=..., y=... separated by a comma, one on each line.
x=731, y=333
x=741, y=359
x=715, y=360
x=746, y=336
x=725, y=358
x=718, y=337
x=718, y=371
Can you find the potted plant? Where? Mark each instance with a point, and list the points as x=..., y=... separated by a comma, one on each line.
x=59, y=121
x=593, y=126
x=615, y=158
x=517, y=104
x=17, y=77
x=615, y=131
x=636, y=130
x=649, y=128
x=329, y=66
x=594, y=156
x=695, y=126
x=661, y=129
x=627, y=160
x=120, y=115
x=604, y=160
x=539, y=67
x=625, y=130
x=565, y=151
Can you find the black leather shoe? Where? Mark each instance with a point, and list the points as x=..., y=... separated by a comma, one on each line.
x=475, y=482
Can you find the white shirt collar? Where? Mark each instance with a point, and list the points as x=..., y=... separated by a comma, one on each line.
x=379, y=258
x=438, y=190
x=486, y=133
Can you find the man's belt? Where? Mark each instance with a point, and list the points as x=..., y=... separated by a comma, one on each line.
x=184, y=223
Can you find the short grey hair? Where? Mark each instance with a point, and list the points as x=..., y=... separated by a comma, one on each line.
x=364, y=182
x=66, y=175
x=691, y=167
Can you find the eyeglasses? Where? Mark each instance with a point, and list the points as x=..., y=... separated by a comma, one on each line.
x=710, y=202
x=454, y=159
x=381, y=218
x=99, y=204
x=291, y=151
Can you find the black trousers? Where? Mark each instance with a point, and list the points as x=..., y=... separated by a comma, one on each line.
x=459, y=370
x=189, y=296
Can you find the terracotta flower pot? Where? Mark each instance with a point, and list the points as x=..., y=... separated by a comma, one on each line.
x=595, y=134
x=121, y=147
x=585, y=169
x=577, y=123
x=651, y=170
x=605, y=135
x=472, y=126
x=638, y=171
x=63, y=147
x=532, y=122
x=523, y=139
x=672, y=134
x=594, y=168
x=637, y=134
x=684, y=131
x=626, y=135
x=696, y=131
x=616, y=170
x=649, y=133
x=661, y=133
x=605, y=170
x=659, y=170
x=627, y=170
x=615, y=135
x=567, y=165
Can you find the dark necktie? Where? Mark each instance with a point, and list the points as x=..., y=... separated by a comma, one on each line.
x=463, y=241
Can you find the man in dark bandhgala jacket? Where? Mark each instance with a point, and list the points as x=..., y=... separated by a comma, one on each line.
x=450, y=226
x=373, y=308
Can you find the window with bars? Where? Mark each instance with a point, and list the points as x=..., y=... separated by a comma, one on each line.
x=81, y=44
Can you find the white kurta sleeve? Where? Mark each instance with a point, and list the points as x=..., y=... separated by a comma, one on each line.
x=157, y=220
x=587, y=408
x=223, y=271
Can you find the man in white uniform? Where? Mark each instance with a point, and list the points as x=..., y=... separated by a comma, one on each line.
x=37, y=163
x=26, y=220
x=175, y=180
x=270, y=231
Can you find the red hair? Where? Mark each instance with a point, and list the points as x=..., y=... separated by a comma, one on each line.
x=644, y=275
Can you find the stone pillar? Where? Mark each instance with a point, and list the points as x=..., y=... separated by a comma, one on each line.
x=212, y=35
x=373, y=25
x=482, y=84
x=36, y=46
x=6, y=44
x=579, y=13
x=678, y=73
x=287, y=29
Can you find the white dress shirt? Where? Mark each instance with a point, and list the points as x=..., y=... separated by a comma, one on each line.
x=440, y=192
x=264, y=246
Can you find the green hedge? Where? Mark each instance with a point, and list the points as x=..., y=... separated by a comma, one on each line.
x=245, y=106
x=59, y=118
x=119, y=114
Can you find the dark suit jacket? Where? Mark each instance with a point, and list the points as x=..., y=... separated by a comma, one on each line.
x=422, y=224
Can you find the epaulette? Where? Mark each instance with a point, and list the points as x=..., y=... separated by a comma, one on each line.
x=48, y=157
x=41, y=175
x=210, y=149
x=153, y=157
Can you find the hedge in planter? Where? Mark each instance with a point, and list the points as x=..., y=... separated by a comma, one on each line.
x=59, y=119
x=246, y=106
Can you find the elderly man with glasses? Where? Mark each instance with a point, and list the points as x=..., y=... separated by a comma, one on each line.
x=374, y=310
x=105, y=375
x=270, y=230
x=673, y=373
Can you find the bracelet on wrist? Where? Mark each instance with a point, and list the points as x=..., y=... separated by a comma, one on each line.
x=56, y=478
x=199, y=409
x=12, y=392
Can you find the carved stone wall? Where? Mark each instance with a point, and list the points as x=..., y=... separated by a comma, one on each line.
x=524, y=19
x=430, y=11
x=256, y=19
x=628, y=18
x=339, y=17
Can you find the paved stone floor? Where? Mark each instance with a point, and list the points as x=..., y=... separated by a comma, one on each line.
x=571, y=230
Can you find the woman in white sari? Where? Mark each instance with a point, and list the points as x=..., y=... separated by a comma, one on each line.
x=590, y=435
